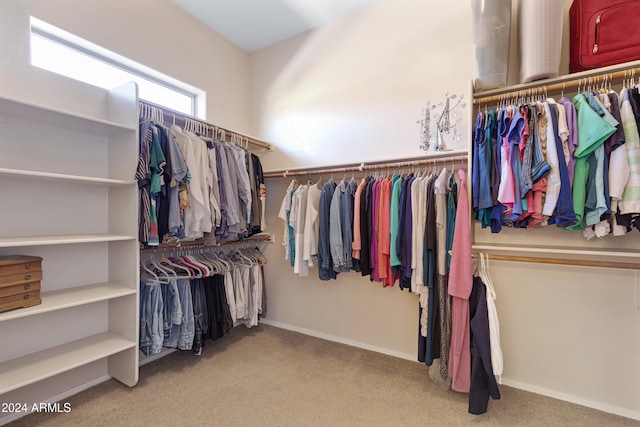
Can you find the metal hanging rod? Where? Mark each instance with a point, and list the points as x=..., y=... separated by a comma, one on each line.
x=168, y=115
x=584, y=79
x=355, y=167
x=249, y=241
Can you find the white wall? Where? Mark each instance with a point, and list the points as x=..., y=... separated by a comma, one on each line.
x=351, y=92
x=162, y=36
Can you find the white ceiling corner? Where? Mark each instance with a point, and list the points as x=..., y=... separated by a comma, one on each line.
x=254, y=24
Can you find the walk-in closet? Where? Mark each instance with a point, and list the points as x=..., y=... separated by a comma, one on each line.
x=336, y=213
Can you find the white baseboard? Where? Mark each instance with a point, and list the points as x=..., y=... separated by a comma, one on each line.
x=59, y=397
x=623, y=412
x=340, y=340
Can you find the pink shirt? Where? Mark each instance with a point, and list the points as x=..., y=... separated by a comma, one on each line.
x=460, y=285
x=356, y=245
x=375, y=275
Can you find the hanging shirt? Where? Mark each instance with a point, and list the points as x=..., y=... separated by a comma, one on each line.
x=451, y=216
x=375, y=229
x=338, y=252
x=418, y=219
x=514, y=136
x=180, y=173
x=356, y=244
x=300, y=266
x=406, y=239
x=618, y=161
x=143, y=177
x=311, y=226
x=593, y=130
x=401, y=239
x=396, y=190
x=430, y=274
x=482, y=168
x=553, y=179
x=572, y=137
x=564, y=214
x=539, y=167
x=243, y=185
x=460, y=285
x=365, y=263
x=385, y=235
x=630, y=202
x=285, y=209
x=195, y=210
x=229, y=217
x=202, y=207
x=347, y=222
x=213, y=181
x=325, y=263
x=506, y=190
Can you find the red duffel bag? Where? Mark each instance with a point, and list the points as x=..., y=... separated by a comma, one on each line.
x=603, y=32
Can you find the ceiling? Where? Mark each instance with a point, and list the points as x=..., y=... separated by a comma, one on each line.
x=254, y=24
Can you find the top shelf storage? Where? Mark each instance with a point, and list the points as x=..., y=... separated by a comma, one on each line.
x=37, y=113
x=564, y=82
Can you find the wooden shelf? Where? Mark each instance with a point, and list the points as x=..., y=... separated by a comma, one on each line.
x=67, y=239
x=22, y=371
x=566, y=81
x=57, y=177
x=55, y=117
x=578, y=257
x=71, y=297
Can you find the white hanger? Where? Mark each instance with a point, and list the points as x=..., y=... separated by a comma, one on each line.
x=152, y=274
x=169, y=263
x=163, y=278
x=170, y=273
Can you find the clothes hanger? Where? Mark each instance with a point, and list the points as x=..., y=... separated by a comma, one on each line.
x=223, y=258
x=156, y=279
x=241, y=259
x=223, y=266
x=171, y=263
x=166, y=279
x=200, y=269
x=245, y=252
x=259, y=255
x=201, y=259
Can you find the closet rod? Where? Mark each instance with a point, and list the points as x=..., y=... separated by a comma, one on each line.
x=172, y=116
x=560, y=261
x=353, y=167
x=195, y=246
x=571, y=81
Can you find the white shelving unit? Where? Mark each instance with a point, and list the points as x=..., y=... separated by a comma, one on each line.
x=68, y=195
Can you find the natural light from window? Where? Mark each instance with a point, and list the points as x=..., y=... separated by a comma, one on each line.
x=64, y=57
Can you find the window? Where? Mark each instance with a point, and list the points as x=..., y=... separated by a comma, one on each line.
x=60, y=52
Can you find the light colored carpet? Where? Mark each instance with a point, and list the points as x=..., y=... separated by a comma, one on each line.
x=272, y=377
